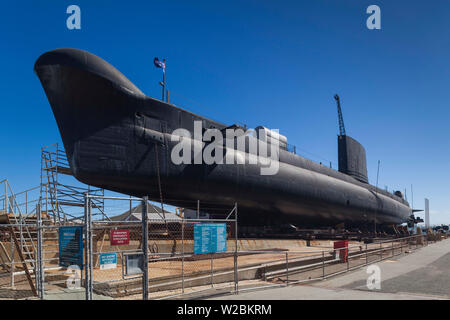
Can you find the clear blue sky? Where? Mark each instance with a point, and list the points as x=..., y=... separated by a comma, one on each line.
x=271, y=63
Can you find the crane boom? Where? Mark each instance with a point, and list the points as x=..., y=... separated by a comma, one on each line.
x=341, y=119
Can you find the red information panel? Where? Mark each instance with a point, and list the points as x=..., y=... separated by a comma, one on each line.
x=120, y=237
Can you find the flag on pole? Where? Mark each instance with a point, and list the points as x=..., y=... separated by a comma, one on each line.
x=160, y=64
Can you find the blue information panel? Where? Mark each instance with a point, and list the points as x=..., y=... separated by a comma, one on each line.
x=210, y=237
x=108, y=260
x=71, y=246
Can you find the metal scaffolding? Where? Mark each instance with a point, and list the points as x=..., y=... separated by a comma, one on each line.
x=17, y=226
x=60, y=200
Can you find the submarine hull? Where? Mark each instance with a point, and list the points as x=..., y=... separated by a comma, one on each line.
x=119, y=139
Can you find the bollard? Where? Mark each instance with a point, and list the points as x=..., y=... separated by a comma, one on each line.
x=323, y=264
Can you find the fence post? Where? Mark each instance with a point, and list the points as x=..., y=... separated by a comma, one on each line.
x=39, y=264
x=393, y=252
x=86, y=254
x=212, y=270
x=145, y=247
x=91, y=252
x=182, y=255
x=323, y=264
x=88, y=249
x=287, y=268
x=236, y=273
x=12, y=258
x=381, y=251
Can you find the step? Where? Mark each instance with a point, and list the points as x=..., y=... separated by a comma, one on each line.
x=28, y=252
x=29, y=261
x=50, y=251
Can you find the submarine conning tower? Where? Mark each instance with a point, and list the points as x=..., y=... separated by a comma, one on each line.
x=351, y=154
x=352, y=158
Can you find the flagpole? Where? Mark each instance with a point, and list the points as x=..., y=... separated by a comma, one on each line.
x=162, y=65
x=163, y=83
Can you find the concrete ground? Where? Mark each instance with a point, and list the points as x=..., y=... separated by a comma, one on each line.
x=69, y=294
x=422, y=274
x=72, y=294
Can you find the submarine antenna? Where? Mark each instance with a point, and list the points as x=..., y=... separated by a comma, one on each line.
x=340, y=117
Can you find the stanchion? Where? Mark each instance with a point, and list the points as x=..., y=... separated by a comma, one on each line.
x=236, y=273
x=182, y=255
x=39, y=264
x=88, y=247
x=212, y=270
x=145, y=247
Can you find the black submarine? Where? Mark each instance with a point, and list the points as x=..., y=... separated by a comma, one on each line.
x=119, y=139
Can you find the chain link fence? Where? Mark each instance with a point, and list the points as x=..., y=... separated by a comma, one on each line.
x=59, y=271
x=142, y=253
x=176, y=268
x=132, y=249
x=319, y=261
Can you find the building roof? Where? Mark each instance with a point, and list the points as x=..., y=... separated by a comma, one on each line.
x=154, y=213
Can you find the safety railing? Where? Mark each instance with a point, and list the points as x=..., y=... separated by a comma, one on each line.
x=295, y=267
